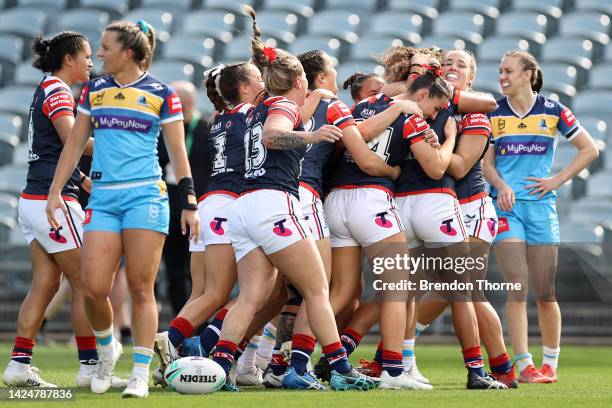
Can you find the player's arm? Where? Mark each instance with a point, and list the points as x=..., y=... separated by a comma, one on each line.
x=394, y=88
x=468, y=102
x=375, y=125
x=476, y=130
x=435, y=161
x=366, y=159
x=278, y=134
x=505, y=195
x=71, y=153
x=174, y=138
x=63, y=125
x=312, y=101
x=587, y=152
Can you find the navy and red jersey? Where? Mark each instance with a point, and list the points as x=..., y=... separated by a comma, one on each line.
x=52, y=99
x=391, y=145
x=413, y=179
x=226, y=149
x=328, y=112
x=272, y=168
x=472, y=185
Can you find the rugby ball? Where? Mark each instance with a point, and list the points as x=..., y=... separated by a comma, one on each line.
x=194, y=375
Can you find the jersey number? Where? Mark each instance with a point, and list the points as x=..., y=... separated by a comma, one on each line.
x=380, y=144
x=255, y=150
x=220, y=160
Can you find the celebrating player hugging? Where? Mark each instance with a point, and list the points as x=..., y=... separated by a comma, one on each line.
x=304, y=195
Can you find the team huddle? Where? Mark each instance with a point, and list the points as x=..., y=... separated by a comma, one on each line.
x=301, y=188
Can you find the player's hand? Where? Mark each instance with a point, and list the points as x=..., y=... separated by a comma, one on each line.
x=410, y=108
x=542, y=186
x=450, y=128
x=396, y=172
x=326, y=133
x=432, y=138
x=191, y=219
x=324, y=94
x=505, y=198
x=87, y=184
x=54, y=201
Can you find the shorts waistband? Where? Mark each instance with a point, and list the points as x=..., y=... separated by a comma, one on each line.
x=355, y=186
x=45, y=197
x=219, y=192
x=311, y=189
x=444, y=190
x=121, y=186
x=473, y=197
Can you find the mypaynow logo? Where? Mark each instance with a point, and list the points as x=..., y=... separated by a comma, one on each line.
x=123, y=123
x=512, y=148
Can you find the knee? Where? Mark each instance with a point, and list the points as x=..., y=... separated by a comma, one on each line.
x=546, y=305
x=141, y=293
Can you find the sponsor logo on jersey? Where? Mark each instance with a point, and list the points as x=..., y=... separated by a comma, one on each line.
x=122, y=123
x=142, y=101
x=119, y=97
x=492, y=225
x=174, y=103
x=519, y=148
x=280, y=229
x=503, y=225
x=501, y=124
x=543, y=124
x=568, y=117
x=477, y=119
x=98, y=99
x=549, y=104
x=216, y=225
x=418, y=123
x=447, y=228
x=56, y=236
x=382, y=221
x=522, y=126
x=228, y=124
x=367, y=113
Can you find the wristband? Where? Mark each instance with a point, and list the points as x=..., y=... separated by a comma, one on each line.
x=185, y=187
x=83, y=178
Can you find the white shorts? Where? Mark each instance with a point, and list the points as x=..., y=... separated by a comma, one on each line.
x=431, y=218
x=34, y=224
x=270, y=219
x=214, y=211
x=312, y=209
x=480, y=218
x=361, y=216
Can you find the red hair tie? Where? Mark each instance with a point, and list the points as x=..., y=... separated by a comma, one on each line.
x=270, y=53
x=437, y=71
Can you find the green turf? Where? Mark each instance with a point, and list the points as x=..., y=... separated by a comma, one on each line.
x=585, y=381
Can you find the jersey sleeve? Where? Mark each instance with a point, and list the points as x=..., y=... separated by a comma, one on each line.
x=477, y=124
x=338, y=114
x=414, y=129
x=57, y=104
x=84, y=103
x=567, y=125
x=288, y=109
x=171, y=109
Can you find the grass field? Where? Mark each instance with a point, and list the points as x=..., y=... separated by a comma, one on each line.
x=585, y=381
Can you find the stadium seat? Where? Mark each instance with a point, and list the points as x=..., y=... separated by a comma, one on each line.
x=239, y=49
x=8, y=204
x=215, y=23
x=164, y=22
x=370, y=47
x=16, y=99
x=529, y=25
x=428, y=9
x=596, y=209
x=571, y=50
x=13, y=178
x=11, y=52
x=6, y=225
x=234, y=6
x=489, y=9
x=563, y=94
x=304, y=8
x=82, y=20
x=600, y=77
x=560, y=79
x=564, y=154
x=603, y=6
x=448, y=42
x=465, y=25
x=405, y=26
x=169, y=71
x=116, y=8
x=362, y=6
x=599, y=186
x=342, y=24
x=598, y=129
x=26, y=74
x=20, y=154
x=205, y=106
x=552, y=9
x=280, y=25
x=588, y=24
x=25, y=22
x=349, y=68
x=198, y=51
x=8, y=143
x=48, y=6
x=580, y=232
x=596, y=103
x=11, y=124
x=492, y=49
x=330, y=45
x=487, y=77
x=172, y=6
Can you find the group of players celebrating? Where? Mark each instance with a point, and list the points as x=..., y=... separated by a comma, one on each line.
x=301, y=186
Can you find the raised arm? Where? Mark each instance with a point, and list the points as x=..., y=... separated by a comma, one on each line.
x=435, y=161
x=278, y=134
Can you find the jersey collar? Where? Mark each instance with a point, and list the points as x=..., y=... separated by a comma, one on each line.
x=535, y=100
x=143, y=76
